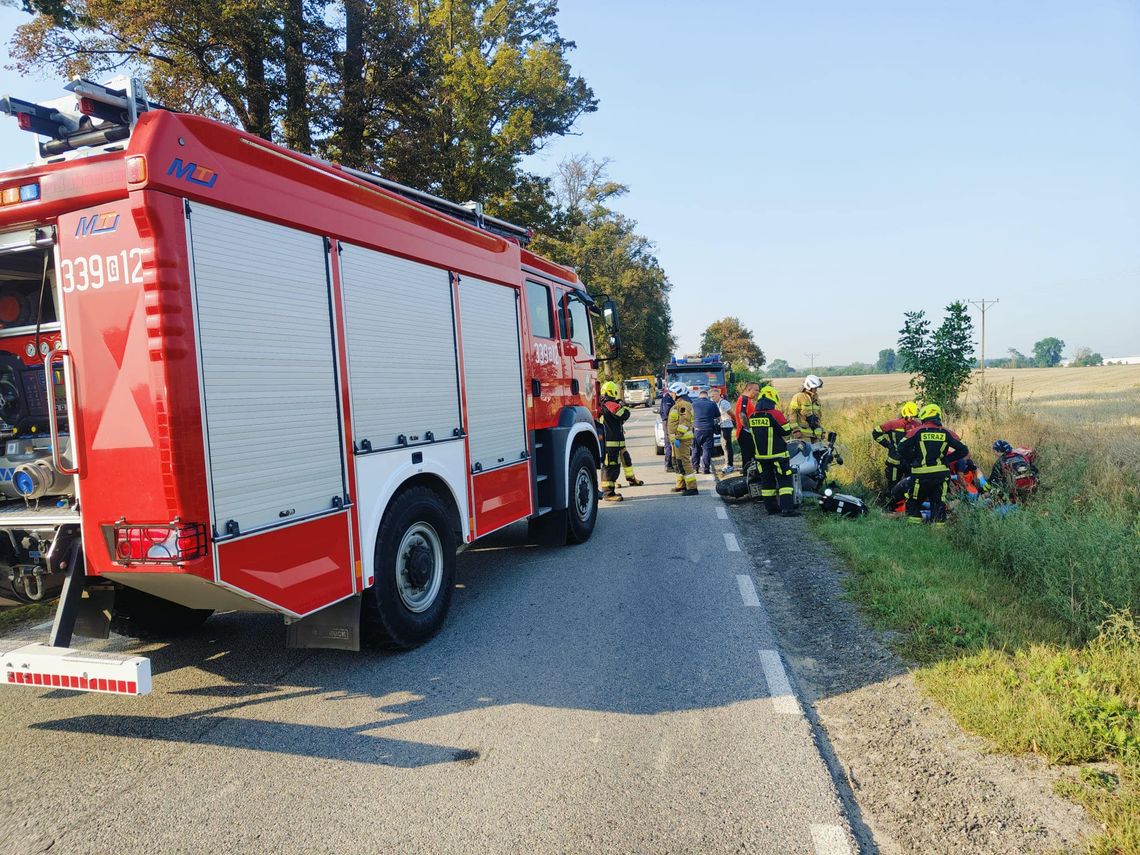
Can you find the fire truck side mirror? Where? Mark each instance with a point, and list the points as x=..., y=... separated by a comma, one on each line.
x=609, y=313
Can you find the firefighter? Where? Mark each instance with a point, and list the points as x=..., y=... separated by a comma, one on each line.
x=614, y=415
x=889, y=434
x=805, y=411
x=679, y=435
x=666, y=405
x=745, y=407
x=769, y=429
x=928, y=449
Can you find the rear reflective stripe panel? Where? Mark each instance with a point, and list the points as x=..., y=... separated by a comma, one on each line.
x=67, y=681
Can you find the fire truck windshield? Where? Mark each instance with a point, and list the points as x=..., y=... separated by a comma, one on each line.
x=697, y=377
x=637, y=384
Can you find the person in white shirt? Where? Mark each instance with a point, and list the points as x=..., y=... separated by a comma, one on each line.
x=727, y=423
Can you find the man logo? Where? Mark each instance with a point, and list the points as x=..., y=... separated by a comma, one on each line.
x=193, y=173
x=97, y=224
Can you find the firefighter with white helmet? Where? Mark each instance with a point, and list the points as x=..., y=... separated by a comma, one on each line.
x=679, y=434
x=805, y=412
x=614, y=415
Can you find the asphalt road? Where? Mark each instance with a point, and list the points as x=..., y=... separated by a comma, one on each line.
x=626, y=695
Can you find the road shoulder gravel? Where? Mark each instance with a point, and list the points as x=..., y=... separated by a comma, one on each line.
x=921, y=783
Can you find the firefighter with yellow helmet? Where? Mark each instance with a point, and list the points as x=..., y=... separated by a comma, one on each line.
x=679, y=433
x=890, y=435
x=805, y=411
x=614, y=415
x=770, y=430
x=928, y=449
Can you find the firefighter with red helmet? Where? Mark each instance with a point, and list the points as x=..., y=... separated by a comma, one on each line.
x=929, y=449
x=890, y=435
x=613, y=418
x=770, y=429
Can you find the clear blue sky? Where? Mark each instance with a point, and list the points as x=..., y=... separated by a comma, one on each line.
x=818, y=169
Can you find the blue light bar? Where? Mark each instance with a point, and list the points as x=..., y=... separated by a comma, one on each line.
x=29, y=192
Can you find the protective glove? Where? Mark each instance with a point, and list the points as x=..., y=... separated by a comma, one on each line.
x=676, y=443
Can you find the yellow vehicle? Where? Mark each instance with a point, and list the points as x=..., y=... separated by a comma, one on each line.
x=639, y=391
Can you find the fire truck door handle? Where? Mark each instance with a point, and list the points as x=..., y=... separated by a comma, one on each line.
x=535, y=387
x=53, y=420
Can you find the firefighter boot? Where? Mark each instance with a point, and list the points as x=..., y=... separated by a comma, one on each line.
x=632, y=480
x=612, y=496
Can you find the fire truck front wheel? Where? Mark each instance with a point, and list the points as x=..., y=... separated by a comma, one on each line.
x=415, y=571
x=583, y=511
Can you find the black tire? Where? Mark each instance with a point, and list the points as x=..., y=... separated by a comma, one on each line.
x=137, y=614
x=411, y=595
x=583, y=511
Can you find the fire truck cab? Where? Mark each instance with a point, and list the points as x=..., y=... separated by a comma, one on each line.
x=237, y=377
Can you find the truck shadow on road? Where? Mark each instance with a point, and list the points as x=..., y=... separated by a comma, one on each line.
x=622, y=627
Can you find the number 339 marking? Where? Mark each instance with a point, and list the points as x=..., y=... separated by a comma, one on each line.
x=95, y=271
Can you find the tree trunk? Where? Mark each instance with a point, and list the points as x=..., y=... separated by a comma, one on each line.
x=352, y=98
x=297, y=135
x=258, y=98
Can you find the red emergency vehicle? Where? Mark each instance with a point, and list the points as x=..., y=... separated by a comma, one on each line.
x=275, y=385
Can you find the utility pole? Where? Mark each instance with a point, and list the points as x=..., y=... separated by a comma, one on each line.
x=982, y=305
x=812, y=357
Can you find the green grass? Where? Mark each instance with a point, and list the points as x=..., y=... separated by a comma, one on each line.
x=1004, y=662
x=20, y=615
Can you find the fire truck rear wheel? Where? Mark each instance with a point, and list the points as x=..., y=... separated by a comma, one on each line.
x=137, y=614
x=415, y=572
x=583, y=510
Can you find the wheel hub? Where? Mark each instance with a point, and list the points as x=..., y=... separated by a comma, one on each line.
x=419, y=563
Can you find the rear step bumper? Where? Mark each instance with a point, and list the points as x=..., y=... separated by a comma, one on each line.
x=41, y=666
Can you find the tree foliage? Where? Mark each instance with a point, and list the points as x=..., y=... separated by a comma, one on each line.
x=780, y=368
x=612, y=259
x=1084, y=357
x=1047, y=352
x=730, y=338
x=940, y=360
x=886, y=361
x=444, y=95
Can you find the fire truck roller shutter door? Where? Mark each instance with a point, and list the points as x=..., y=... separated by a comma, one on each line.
x=268, y=373
x=401, y=339
x=492, y=373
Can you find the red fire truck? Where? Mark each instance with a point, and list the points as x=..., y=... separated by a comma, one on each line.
x=236, y=377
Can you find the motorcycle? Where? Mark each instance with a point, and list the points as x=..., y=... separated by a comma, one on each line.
x=809, y=463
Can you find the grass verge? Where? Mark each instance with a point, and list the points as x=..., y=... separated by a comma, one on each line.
x=18, y=616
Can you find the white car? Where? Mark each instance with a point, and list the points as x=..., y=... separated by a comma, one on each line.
x=659, y=439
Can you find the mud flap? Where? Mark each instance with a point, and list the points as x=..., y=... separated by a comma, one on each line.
x=334, y=628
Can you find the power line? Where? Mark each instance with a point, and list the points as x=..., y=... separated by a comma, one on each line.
x=982, y=305
x=812, y=357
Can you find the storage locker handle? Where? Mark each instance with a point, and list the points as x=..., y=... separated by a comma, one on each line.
x=53, y=421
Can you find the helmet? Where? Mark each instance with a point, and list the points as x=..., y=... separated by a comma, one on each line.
x=1002, y=447
x=931, y=411
x=908, y=410
x=678, y=389
x=770, y=393
x=812, y=382
x=610, y=389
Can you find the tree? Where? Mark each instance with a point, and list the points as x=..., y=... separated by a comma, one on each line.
x=1084, y=357
x=886, y=362
x=1047, y=352
x=444, y=95
x=1017, y=359
x=611, y=258
x=780, y=368
x=941, y=361
x=730, y=338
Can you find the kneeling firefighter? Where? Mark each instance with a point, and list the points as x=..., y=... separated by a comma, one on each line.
x=928, y=449
x=770, y=431
x=614, y=415
x=890, y=435
x=679, y=434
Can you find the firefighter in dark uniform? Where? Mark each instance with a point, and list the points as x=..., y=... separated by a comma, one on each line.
x=770, y=430
x=889, y=435
x=928, y=449
x=614, y=415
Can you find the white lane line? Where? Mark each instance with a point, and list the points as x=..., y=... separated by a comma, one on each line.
x=721, y=512
x=730, y=542
x=783, y=701
x=829, y=840
x=747, y=590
